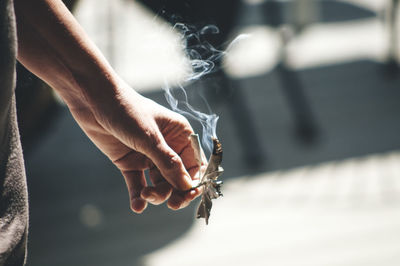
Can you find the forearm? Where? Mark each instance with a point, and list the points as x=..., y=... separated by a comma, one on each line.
x=133, y=131
x=53, y=46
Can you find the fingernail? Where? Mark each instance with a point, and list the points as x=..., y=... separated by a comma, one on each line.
x=174, y=205
x=151, y=199
x=195, y=183
x=177, y=206
x=138, y=205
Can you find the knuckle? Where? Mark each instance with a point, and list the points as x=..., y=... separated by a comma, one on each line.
x=175, y=161
x=187, y=128
x=149, y=140
x=149, y=136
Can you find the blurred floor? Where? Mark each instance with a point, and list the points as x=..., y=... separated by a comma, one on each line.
x=330, y=203
x=338, y=213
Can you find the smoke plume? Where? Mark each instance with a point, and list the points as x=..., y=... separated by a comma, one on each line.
x=202, y=58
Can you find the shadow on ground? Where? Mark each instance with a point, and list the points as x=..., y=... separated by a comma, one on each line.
x=357, y=112
x=79, y=204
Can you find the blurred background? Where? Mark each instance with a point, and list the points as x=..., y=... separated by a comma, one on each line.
x=309, y=104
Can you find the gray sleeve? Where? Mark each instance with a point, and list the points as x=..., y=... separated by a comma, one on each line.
x=13, y=191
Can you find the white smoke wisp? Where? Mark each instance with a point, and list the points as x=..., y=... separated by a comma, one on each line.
x=207, y=121
x=201, y=59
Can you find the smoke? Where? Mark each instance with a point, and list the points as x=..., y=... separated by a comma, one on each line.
x=207, y=121
x=202, y=59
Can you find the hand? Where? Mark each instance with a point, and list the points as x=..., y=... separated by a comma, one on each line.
x=138, y=134
x=134, y=132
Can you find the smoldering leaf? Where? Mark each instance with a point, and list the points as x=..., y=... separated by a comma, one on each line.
x=211, y=187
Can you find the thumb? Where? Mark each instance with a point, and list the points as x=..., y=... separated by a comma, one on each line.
x=170, y=165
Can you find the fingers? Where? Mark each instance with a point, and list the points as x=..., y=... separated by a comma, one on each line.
x=190, y=161
x=195, y=173
x=170, y=165
x=157, y=194
x=163, y=191
x=160, y=192
x=180, y=199
x=132, y=160
x=135, y=182
x=176, y=199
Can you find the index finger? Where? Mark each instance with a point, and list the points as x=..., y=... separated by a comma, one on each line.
x=170, y=165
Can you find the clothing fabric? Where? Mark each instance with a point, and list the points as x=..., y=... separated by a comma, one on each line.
x=13, y=189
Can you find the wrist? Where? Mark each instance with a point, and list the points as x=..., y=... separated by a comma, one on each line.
x=90, y=88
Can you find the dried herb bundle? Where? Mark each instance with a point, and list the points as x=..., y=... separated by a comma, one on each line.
x=212, y=187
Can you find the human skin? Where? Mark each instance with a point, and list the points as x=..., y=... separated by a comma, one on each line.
x=134, y=132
